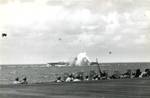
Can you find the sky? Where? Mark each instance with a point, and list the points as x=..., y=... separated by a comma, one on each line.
x=41, y=31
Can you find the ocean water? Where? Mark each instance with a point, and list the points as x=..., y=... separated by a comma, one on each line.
x=41, y=73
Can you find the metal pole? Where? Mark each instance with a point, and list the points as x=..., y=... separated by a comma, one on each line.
x=99, y=69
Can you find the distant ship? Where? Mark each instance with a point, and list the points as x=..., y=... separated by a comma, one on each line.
x=57, y=64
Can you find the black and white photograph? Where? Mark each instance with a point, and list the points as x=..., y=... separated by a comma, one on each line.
x=74, y=48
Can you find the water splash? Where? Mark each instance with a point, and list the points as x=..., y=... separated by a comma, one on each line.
x=81, y=60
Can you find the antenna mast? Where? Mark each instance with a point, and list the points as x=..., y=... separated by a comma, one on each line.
x=98, y=65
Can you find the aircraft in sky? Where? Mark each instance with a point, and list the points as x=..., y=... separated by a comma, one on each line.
x=4, y=35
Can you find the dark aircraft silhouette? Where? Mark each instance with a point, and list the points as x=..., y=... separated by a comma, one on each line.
x=110, y=52
x=60, y=39
x=4, y=35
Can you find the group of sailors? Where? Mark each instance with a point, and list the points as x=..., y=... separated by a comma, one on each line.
x=75, y=77
x=104, y=75
x=23, y=81
x=136, y=74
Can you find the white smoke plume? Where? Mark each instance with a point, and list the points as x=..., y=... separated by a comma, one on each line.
x=81, y=60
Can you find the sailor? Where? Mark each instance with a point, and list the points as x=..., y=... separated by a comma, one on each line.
x=69, y=78
x=16, y=81
x=24, y=81
x=4, y=35
x=58, y=79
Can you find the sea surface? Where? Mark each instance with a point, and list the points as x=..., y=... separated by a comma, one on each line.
x=42, y=73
